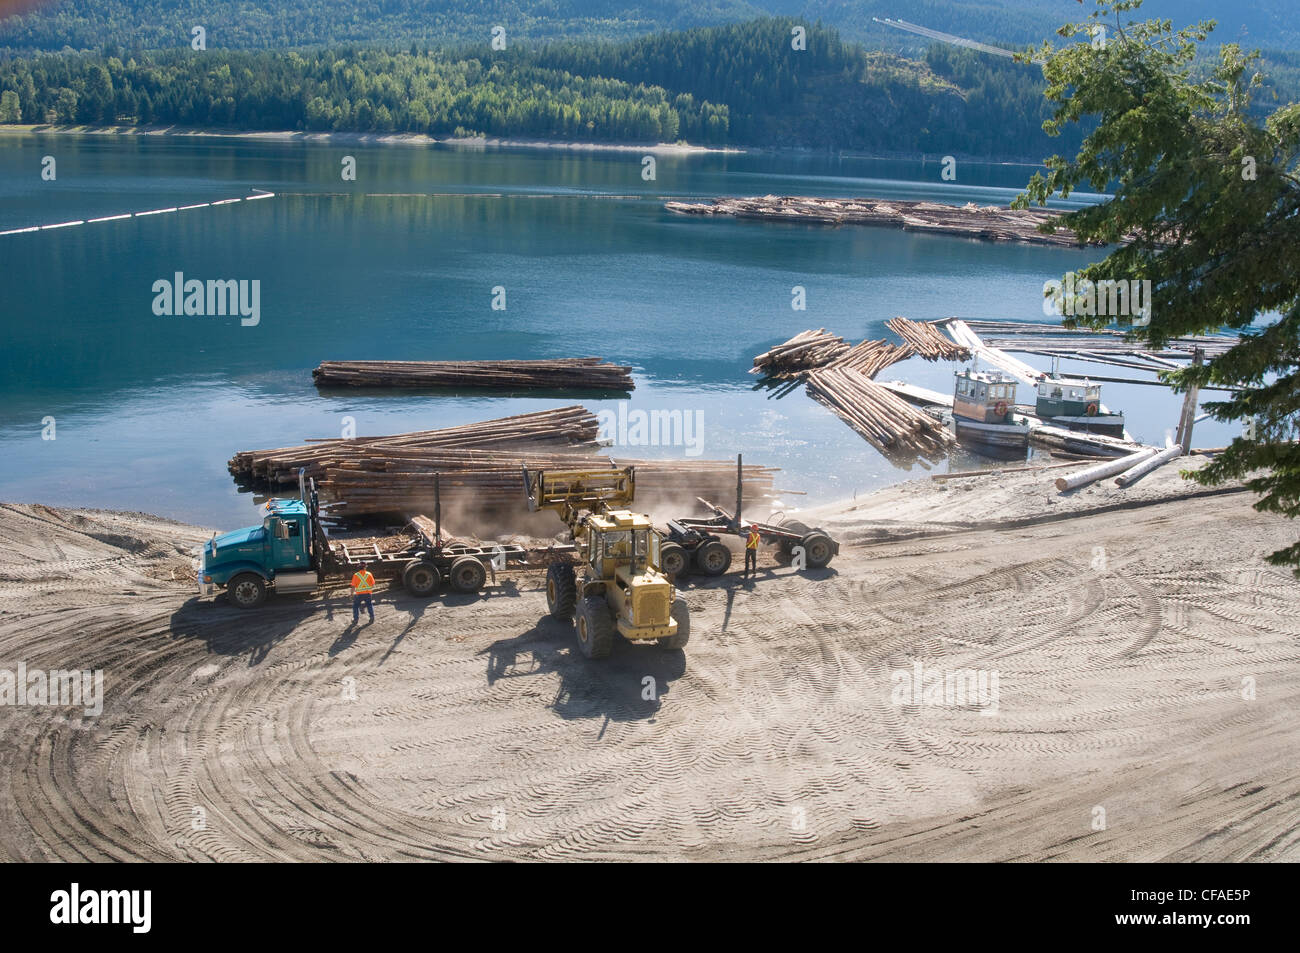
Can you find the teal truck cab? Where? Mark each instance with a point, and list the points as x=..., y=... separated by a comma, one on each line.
x=291, y=551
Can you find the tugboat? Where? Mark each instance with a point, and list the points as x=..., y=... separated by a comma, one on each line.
x=1077, y=406
x=983, y=405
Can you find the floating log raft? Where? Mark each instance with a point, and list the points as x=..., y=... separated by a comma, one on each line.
x=927, y=341
x=576, y=373
x=803, y=352
x=882, y=418
x=1106, y=346
x=988, y=222
x=872, y=357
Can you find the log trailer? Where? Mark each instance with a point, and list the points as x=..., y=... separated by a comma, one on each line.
x=291, y=551
x=695, y=543
x=613, y=582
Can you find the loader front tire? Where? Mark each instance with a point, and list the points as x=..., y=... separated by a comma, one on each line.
x=682, y=616
x=595, y=628
x=561, y=591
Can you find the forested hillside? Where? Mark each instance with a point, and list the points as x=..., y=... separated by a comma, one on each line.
x=52, y=25
x=735, y=85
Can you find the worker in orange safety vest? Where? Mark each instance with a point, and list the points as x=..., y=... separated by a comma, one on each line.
x=751, y=549
x=363, y=584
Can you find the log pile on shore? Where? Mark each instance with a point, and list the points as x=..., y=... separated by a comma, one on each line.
x=573, y=373
x=479, y=467
x=927, y=341
x=881, y=417
x=988, y=222
x=565, y=428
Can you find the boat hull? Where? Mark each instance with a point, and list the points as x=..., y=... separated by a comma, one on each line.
x=1110, y=424
x=1007, y=436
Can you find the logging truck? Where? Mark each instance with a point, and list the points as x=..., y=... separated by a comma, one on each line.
x=291, y=551
x=613, y=583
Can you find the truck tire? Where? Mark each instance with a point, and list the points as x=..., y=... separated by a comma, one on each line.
x=467, y=574
x=818, y=549
x=682, y=616
x=672, y=560
x=561, y=591
x=247, y=590
x=421, y=578
x=595, y=628
x=713, y=558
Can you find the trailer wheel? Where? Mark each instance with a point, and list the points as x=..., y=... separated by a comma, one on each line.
x=672, y=560
x=561, y=591
x=682, y=616
x=818, y=549
x=713, y=558
x=247, y=591
x=595, y=628
x=467, y=574
x=421, y=579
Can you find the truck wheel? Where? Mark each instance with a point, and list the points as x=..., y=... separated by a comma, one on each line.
x=247, y=591
x=561, y=591
x=421, y=579
x=713, y=558
x=682, y=616
x=672, y=560
x=595, y=628
x=467, y=574
x=818, y=549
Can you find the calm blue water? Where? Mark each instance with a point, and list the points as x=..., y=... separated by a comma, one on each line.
x=401, y=264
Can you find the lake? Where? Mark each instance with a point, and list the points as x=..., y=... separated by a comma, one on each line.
x=401, y=264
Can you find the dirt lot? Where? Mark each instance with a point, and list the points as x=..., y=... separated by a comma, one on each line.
x=1123, y=643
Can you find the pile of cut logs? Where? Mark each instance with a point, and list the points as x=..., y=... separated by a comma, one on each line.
x=872, y=357
x=927, y=341
x=881, y=417
x=576, y=373
x=991, y=222
x=547, y=430
x=803, y=352
x=479, y=467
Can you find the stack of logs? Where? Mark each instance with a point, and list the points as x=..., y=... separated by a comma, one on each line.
x=927, y=341
x=803, y=352
x=839, y=376
x=548, y=430
x=881, y=417
x=991, y=222
x=479, y=467
x=576, y=373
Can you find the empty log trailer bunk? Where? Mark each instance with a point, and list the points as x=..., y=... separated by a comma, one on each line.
x=694, y=543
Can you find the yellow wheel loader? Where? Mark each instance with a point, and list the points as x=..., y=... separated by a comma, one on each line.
x=614, y=584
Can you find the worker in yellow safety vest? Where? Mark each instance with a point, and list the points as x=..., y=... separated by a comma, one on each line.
x=751, y=549
x=363, y=584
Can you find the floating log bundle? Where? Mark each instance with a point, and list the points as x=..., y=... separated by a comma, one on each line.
x=575, y=373
x=881, y=417
x=927, y=341
x=803, y=352
x=1108, y=345
x=989, y=222
x=479, y=466
x=872, y=357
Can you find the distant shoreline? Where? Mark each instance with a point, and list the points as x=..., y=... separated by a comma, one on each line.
x=383, y=138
